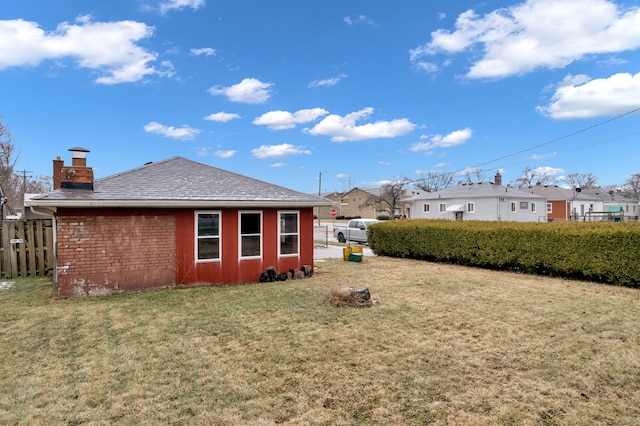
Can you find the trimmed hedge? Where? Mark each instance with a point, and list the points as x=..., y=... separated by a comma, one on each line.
x=595, y=251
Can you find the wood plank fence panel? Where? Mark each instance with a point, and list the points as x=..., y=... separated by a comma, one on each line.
x=26, y=248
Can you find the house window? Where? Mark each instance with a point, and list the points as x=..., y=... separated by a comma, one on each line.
x=426, y=208
x=207, y=236
x=533, y=207
x=513, y=207
x=471, y=207
x=549, y=208
x=250, y=234
x=524, y=205
x=443, y=207
x=288, y=230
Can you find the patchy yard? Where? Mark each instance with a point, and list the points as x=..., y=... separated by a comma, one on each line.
x=443, y=345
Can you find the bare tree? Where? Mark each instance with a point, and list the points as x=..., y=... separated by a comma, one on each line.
x=9, y=181
x=476, y=173
x=632, y=186
x=39, y=185
x=580, y=180
x=531, y=177
x=13, y=184
x=347, y=183
x=389, y=197
x=433, y=181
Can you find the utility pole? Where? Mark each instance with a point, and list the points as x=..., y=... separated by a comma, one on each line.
x=320, y=192
x=24, y=180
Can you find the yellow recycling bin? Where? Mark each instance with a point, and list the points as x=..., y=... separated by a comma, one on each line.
x=353, y=254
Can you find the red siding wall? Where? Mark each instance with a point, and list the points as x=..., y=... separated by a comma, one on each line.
x=114, y=251
x=559, y=211
x=231, y=269
x=104, y=251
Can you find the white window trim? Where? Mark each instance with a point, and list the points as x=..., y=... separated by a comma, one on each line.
x=280, y=234
x=471, y=207
x=426, y=208
x=533, y=207
x=195, y=233
x=514, y=207
x=240, y=213
x=442, y=207
x=549, y=207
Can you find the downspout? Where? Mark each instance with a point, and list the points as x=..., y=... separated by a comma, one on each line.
x=52, y=213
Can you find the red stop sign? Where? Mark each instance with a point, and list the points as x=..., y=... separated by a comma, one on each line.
x=334, y=213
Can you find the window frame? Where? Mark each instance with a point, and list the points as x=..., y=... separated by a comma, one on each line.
x=533, y=207
x=240, y=234
x=198, y=237
x=549, y=207
x=442, y=207
x=471, y=207
x=282, y=234
x=426, y=208
x=514, y=207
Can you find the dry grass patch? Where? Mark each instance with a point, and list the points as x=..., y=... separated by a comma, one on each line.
x=446, y=345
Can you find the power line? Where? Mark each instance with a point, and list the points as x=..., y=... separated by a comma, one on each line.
x=577, y=132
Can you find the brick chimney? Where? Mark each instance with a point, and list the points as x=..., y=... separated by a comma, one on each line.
x=76, y=176
x=498, y=179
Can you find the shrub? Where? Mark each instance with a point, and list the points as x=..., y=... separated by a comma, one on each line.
x=602, y=252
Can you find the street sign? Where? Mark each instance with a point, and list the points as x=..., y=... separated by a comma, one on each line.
x=334, y=213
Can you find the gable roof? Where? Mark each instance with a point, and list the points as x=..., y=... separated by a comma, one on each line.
x=474, y=190
x=178, y=182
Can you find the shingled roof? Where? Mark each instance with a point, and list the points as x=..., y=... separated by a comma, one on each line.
x=178, y=182
x=474, y=190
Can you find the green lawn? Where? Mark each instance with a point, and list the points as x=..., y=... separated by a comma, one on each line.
x=445, y=345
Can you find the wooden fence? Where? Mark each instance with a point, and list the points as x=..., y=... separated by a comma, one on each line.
x=26, y=248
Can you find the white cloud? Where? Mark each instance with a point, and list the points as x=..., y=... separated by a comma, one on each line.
x=327, y=82
x=586, y=99
x=281, y=120
x=221, y=117
x=106, y=47
x=276, y=165
x=344, y=128
x=360, y=19
x=537, y=34
x=225, y=154
x=278, y=151
x=428, y=67
x=457, y=137
x=168, y=5
x=384, y=163
x=207, y=51
x=548, y=171
x=248, y=91
x=184, y=133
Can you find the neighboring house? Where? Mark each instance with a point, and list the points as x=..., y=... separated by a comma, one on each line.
x=350, y=204
x=478, y=201
x=565, y=205
x=325, y=212
x=171, y=223
x=612, y=202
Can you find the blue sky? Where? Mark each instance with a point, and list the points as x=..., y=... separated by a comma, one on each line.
x=361, y=92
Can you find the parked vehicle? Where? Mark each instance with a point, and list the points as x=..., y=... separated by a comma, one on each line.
x=355, y=230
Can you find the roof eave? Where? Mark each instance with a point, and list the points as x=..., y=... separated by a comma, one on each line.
x=163, y=204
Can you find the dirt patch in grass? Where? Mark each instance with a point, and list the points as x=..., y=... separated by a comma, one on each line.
x=446, y=345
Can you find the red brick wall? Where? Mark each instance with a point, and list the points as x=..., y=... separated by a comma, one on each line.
x=106, y=253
